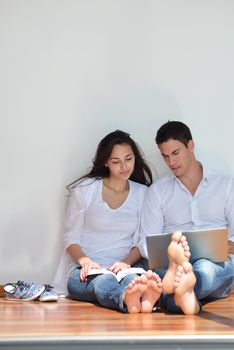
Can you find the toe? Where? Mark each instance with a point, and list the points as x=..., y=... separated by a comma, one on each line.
x=176, y=236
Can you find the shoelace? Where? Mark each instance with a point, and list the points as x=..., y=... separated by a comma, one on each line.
x=22, y=285
x=48, y=288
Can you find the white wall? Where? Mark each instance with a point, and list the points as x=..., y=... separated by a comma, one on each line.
x=71, y=71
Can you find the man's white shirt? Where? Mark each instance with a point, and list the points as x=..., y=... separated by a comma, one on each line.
x=169, y=206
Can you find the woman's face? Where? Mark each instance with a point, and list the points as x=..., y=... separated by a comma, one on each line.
x=121, y=162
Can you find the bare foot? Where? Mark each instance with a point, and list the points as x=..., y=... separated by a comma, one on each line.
x=178, y=252
x=134, y=292
x=184, y=295
x=152, y=293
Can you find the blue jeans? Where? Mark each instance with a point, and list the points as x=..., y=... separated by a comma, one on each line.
x=214, y=281
x=103, y=289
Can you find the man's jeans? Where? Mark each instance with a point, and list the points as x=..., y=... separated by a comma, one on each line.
x=214, y=281
x=103, y=289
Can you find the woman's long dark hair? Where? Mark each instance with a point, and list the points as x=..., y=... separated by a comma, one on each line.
x=141, y=173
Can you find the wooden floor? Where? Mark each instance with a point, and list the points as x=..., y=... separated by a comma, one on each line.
x=73, y=323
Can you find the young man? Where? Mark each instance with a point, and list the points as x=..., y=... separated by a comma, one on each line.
x=190, y=198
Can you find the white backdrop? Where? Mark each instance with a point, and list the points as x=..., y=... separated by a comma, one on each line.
x=72, y=71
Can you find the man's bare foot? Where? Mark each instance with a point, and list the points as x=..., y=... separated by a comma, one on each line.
x=134, y=292
x=152, y=293
x=178, y=252
x=184, y=294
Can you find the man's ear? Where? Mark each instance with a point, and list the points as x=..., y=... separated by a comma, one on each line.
x=191, y=145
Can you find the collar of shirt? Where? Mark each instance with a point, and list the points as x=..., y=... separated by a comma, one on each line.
x=205, y=179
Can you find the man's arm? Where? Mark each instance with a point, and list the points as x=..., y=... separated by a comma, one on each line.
x=230, y=216
x=152, y=220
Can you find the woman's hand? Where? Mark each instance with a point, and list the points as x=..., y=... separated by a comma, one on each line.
x=86, y=265
x=119, y=266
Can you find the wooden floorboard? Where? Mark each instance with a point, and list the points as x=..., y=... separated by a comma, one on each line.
x=72, y=320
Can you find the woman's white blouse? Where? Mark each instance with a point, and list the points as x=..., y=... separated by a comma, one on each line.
x=105, y=235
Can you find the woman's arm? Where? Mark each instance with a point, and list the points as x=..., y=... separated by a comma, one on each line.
x=83, y=260
x=133, y=256
x=76, y=253
x=74, y=223
x=230, y=247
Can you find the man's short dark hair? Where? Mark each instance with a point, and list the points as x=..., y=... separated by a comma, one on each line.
x=173, y=130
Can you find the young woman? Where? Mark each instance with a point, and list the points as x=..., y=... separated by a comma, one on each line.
x=101, y=229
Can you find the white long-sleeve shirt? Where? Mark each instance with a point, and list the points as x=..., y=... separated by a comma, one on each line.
x=169, y=206
x=105, y=235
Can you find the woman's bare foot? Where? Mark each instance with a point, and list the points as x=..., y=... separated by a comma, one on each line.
x=178, y=252
x=153, y=292
x=134, y=292
x=184, y=294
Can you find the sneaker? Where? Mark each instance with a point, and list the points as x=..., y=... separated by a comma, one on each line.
x=48, y=294
x=22, y=291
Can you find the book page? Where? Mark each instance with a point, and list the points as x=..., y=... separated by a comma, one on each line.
x=137, y=270
x=99, y=272
x=120, y=275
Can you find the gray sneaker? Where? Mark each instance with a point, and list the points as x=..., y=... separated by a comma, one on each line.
x=48, y=294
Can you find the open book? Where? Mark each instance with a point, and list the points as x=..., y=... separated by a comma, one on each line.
x=120, y=275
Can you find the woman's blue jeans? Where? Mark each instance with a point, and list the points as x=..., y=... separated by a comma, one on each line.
x=103, y=289
x=214, y=281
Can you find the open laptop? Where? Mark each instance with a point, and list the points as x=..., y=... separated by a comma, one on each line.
x=211, y=244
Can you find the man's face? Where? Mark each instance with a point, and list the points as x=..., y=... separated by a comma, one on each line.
x=177, y=156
